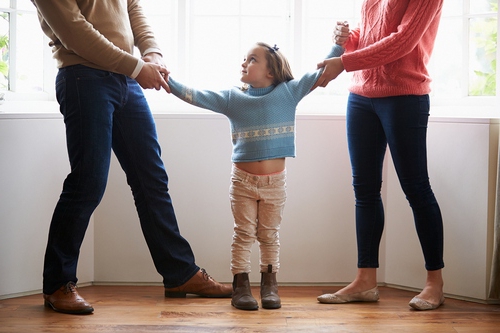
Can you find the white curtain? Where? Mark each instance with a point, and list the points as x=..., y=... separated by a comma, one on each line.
x=495, y=268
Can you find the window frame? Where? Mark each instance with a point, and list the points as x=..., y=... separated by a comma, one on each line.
x=467, y=17
x=464, y=100
x=49, y=66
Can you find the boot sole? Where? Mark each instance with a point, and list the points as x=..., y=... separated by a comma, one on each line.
x=74, y=311
x=249, y=308
x=273, y=306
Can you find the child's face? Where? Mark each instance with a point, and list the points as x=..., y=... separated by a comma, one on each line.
x=254, y=69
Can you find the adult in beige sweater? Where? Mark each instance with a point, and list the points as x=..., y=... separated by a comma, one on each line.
x=98, y=87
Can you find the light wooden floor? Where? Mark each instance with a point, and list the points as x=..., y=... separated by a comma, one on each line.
x=140, y=309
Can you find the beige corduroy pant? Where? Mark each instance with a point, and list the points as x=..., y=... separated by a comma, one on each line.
x=257, y=203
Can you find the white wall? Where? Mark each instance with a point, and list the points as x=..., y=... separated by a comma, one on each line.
x=317, y=235
x=461, y=154
x=33, y=164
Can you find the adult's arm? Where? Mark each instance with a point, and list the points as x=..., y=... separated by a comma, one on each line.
x=75, y=33
x=418, y=18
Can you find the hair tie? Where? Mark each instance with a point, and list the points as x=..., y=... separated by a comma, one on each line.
x=273, y=49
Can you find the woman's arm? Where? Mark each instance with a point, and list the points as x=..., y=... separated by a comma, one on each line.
x=417, y=21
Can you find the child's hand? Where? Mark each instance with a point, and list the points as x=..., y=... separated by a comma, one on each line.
x=153, y=76
x=156, y=61
x=341, y=33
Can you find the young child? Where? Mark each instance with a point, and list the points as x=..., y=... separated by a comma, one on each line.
x=262, y=120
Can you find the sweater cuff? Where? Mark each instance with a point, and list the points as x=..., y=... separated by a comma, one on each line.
x=336, y=51
x=152, y=50
x=137, y=69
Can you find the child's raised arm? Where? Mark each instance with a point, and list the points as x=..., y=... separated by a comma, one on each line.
x=211, y=100
x=335, y=52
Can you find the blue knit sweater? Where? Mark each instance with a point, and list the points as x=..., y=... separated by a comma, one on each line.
x=262, y=120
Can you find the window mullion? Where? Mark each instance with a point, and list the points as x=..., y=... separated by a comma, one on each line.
x=183, y=35
x=13, y=48
x=498, y=60
x=465, y=48
x=297, y=24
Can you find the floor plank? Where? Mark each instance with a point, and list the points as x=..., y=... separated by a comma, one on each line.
x=140, y=309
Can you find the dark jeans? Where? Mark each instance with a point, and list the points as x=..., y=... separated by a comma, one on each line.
x=104, y=111
x=401, y=123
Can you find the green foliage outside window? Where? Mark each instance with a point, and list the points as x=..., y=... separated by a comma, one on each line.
x=4, y=54
x=484, y=83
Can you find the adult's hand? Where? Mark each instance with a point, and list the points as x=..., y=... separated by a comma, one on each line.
x=331, y=69
x=341, y=33
x=154, y=73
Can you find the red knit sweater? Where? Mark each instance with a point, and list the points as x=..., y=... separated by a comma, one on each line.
x=390, y=49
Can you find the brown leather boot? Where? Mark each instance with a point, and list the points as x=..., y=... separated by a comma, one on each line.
x=242, y=294
x=269, y=289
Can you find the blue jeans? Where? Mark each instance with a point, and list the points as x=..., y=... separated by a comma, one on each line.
x=401, y=123
x=104, y=111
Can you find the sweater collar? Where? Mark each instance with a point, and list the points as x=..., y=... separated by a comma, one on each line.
x=260, y=91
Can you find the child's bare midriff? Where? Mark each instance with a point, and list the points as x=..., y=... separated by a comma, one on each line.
x=265, y=167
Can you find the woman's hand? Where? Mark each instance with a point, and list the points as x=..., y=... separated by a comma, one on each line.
x=331, y=69
x=341, y=33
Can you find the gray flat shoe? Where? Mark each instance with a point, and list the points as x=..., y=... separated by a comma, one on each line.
x=365, y=296
x=418, y=303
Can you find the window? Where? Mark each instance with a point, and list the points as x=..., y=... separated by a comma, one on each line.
x=214, y=36
x=24, y=69
x=483, y=31
x=204, y=43
x=221, y=32
x=465, y=55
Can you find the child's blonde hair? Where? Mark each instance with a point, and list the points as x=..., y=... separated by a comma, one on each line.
x=277, y=64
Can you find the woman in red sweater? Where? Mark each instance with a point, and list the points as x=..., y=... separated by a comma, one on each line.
x=389, y=105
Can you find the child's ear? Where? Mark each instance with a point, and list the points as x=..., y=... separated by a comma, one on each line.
x=270, y=76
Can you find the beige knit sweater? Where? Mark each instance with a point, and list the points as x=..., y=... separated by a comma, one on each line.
x=97, y=33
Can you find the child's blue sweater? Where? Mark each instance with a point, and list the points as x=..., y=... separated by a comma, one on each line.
x=262, y=119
